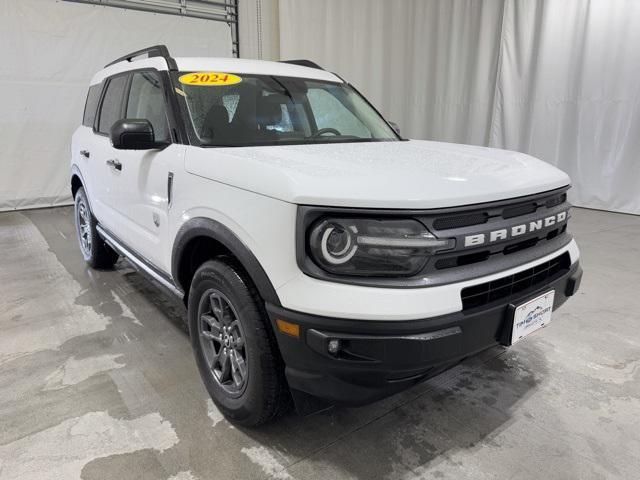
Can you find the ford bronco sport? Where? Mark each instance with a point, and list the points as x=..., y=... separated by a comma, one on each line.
x=321, y=256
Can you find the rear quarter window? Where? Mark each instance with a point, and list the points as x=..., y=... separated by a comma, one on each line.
x=91, y=105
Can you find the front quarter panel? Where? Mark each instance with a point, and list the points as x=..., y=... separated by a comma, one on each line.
x=264, y=225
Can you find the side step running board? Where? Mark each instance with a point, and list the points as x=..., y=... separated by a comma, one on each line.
x=138, y=263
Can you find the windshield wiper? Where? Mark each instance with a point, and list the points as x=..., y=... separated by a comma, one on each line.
x=313, y=139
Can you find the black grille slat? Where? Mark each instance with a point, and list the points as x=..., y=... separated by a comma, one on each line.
x=518, y=210
x=459, y=221
x=516, y=247
x=485, y=293
x=552, y=202
x=462, y=260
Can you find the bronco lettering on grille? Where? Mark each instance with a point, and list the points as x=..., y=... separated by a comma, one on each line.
x=514, y=231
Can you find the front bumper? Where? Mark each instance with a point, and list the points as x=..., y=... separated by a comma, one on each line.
x=380, y=358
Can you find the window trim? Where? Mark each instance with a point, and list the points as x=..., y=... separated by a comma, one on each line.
x=177, y=129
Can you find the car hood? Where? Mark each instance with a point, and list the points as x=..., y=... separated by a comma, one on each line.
x=409, y=174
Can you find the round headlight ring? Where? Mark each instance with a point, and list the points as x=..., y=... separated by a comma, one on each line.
x=344, y=254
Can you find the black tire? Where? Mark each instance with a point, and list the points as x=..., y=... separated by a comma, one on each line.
x=95, y=252
x=261, y=394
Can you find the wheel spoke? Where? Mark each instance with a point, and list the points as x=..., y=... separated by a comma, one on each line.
x=239, y=368
x=214, y=325
x=235, y=374
x=238, y=339
x=213, y=360
x=217, y=306
x=210, y=336
x=223, y=360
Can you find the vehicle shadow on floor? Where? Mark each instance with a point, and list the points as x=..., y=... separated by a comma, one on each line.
x=457, y=410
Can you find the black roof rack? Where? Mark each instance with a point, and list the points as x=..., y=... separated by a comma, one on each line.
x=303, y=63
x=155, y=51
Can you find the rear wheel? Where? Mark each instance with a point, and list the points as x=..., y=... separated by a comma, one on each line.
x=233, y=344
x=95, y=252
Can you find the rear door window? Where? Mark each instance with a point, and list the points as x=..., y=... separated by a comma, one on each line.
x=111, y=110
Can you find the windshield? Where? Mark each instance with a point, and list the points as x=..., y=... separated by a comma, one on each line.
x=270, y=110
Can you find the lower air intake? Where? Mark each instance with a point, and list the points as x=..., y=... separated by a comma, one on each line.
x=505, y=287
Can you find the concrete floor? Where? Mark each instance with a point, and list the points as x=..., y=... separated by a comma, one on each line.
x=97, y=381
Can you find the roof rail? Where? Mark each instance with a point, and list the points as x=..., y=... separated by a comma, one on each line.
x=155, y=51
x=303, y=63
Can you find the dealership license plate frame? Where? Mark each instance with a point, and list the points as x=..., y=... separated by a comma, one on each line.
x=518, y=313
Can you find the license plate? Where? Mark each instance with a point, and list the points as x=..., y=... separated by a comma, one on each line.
x=531, y=316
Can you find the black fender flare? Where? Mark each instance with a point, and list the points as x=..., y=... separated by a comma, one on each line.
x=206, y=227
x=75, y=171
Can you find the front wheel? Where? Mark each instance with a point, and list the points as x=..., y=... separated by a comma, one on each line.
x=95, y=252
x=233, y=344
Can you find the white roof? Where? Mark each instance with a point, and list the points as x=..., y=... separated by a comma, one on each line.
x=226, y=65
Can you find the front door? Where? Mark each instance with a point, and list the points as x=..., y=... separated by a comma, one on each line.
x=143, y=200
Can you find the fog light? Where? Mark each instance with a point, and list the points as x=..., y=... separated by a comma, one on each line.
x=334, y=346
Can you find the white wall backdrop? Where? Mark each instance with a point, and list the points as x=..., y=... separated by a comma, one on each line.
x=559, y=79
x=49, y=51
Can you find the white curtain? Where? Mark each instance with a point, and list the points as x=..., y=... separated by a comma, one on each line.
x=48, y=52
x=559, y=79
x=569, y=93
x=430, y=66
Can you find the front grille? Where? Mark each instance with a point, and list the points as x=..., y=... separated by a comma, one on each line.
x=506, y=211
x=480, y=256
x=502, y=216
x=505, y=287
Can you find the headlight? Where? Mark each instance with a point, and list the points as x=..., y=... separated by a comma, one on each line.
x=370, y=247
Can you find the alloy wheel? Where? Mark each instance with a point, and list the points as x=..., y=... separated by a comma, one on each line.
x=84, y=227
x=223, y=342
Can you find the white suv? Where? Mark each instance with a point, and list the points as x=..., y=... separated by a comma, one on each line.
x=321, y=256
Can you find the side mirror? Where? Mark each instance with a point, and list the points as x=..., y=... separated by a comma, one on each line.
x=133, y=134
x=395, y=127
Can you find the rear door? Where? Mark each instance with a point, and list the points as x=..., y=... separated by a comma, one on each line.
x=83, y=139
x=105, y=176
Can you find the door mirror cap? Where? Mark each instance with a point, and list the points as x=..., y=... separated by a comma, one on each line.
x=395, y=127
x=134, y=134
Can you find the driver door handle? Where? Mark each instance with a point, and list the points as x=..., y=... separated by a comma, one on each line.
x=85, y=153
x=112, y=162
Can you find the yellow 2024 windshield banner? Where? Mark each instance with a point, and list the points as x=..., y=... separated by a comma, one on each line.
x=209, y=79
